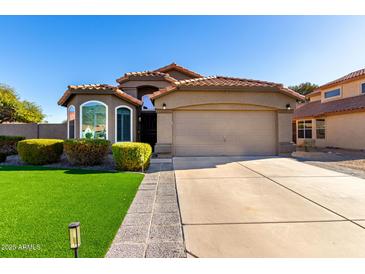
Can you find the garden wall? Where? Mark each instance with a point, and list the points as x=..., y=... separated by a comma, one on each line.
x=30, y=131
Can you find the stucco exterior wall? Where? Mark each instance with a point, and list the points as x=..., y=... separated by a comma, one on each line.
x=346, y=131
x=130, y=87
x=285, y=126
x=178, y=75
x=112, y=102
x=178, y=99
x=342, y=131
x=348, y=89
x=220, y=100
x=315, y=98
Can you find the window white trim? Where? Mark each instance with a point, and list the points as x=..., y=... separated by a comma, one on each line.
x=304, y=129
x=116, y=120
x=333, y=97
x=106, y=118
x=361, y=83
x=323, y=127
x=68, y=121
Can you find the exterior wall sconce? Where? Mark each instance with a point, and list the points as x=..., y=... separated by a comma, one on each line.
x=288, y=106
x=163, y=106
x=75, y=239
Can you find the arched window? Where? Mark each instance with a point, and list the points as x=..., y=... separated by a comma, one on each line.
x=123, y=124
x=71, y=122
x=93, y=122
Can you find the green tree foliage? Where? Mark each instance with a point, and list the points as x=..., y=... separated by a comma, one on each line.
x=12, y=109
x=304, y=88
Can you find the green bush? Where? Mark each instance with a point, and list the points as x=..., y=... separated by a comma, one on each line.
x=8, y=144
x=2, y=157
x=131, y=156
x=40, y=151
x=86, y=151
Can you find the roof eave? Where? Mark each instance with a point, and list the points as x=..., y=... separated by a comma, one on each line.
x=69, y=92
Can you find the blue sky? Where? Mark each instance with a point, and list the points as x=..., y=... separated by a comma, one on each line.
x=40, y=56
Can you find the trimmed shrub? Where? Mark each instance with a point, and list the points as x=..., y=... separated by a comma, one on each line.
x=86, y=152
x=40, y=151
x=131, y=156
x=2, y=157
x=8, y=144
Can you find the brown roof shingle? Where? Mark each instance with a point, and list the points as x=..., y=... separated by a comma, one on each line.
x=225, y=82
x=316, y=108
x=96, y=88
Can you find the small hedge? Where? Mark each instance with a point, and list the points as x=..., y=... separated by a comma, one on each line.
x=40, y=151
x=86, y=151
x=131, y=156
x=8, y=144
x=2, y=157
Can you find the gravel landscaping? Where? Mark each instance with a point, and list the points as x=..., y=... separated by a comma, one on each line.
x=350, y=162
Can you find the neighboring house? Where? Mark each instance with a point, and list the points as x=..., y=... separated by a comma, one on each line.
x=180, y=112
x=335, y=114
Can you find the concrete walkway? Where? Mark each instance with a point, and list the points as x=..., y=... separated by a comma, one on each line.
x=269, y=207
x=152, y=226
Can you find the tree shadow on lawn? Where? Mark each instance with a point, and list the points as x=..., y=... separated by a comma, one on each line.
x=74, y=171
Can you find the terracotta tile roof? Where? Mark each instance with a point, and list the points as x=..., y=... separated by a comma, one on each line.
x=174, y=66
x=316, y=108
x=224, y=82
x=151, y=74
x=349, y=77
x=98, y=89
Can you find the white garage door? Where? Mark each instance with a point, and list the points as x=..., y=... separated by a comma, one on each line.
x=214, y=133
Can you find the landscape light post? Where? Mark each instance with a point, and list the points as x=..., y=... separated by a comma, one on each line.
x=74, y=235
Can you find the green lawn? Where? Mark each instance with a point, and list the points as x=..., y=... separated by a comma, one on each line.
x=37, y=204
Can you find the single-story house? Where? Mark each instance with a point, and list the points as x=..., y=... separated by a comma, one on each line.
x=335, y=114
x=180, y=112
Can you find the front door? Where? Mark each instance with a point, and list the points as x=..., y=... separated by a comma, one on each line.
x=149, y=127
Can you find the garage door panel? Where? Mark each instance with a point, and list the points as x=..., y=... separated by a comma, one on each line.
x=200, y=133
x=199, y=139
x=200, y=150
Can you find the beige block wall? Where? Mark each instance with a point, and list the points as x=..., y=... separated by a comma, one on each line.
x=53, y=131
x=112, y=102
x=33, y=131
x=29, y=131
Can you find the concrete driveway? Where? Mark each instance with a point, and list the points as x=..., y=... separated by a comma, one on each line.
x=269, y=207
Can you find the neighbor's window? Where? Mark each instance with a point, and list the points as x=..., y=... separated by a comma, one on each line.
x=71, y=122
x=93, y=121
x=332, y=93
x=363, y=88
x=305, y=129
x=320, y=129
x=124, y=119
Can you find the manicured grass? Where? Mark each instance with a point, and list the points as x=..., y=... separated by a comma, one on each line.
x=38, y=203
